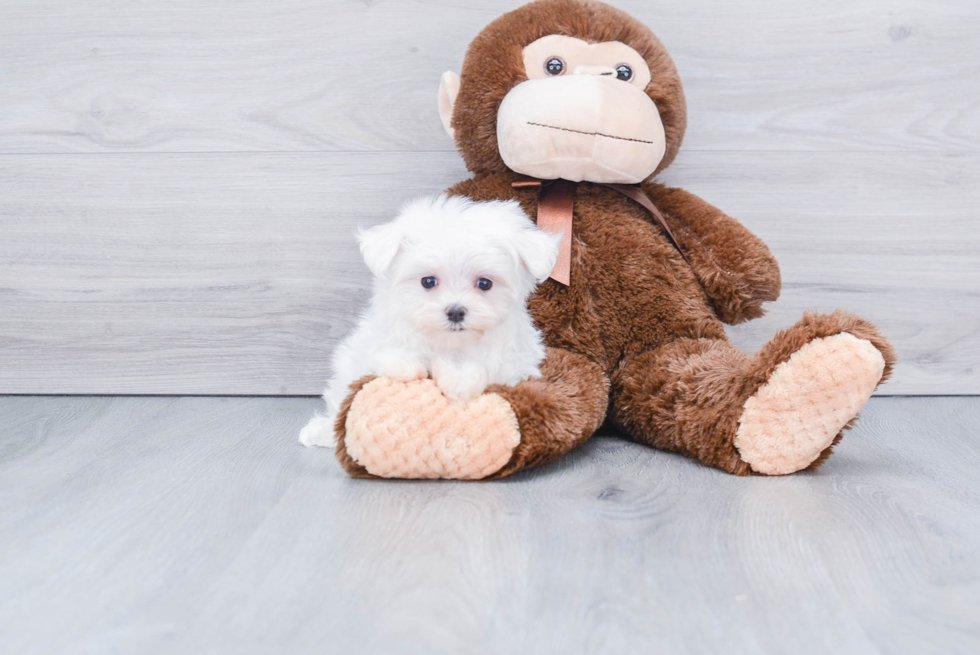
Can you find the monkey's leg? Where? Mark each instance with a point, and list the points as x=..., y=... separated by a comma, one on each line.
x=409, y=430
x=775, y=412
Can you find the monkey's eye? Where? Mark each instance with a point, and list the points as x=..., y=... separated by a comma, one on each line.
x=624, y=72
x=429, y=282
x=554, y=66
x=484, y=284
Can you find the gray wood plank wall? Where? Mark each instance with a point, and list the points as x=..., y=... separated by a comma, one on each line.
x=179, y=181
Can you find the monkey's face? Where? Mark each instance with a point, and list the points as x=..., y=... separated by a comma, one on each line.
x=569, y=89
x=582, y=114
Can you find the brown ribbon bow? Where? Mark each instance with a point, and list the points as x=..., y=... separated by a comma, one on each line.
x=555, y=209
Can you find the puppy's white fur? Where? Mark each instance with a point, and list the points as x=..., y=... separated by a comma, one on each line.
x=406, y=332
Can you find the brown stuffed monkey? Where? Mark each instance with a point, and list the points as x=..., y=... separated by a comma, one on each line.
x=568, y=103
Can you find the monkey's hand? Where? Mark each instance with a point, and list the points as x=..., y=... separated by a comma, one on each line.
x=411, y=430
x=734, y=266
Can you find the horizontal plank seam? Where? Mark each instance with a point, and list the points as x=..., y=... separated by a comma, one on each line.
x=117, y=153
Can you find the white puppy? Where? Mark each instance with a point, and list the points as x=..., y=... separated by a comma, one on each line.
x=452, y=279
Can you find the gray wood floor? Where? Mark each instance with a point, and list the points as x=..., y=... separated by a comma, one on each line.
x=191, y=525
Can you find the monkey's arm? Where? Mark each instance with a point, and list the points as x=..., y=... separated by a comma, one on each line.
x=733, y=265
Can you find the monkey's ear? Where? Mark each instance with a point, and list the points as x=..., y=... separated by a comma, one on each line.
x=379, y=245
x=448, y=88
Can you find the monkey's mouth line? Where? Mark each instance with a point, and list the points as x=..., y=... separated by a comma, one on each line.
x=608, y=136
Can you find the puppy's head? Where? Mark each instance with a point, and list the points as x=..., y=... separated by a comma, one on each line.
x=454, y=269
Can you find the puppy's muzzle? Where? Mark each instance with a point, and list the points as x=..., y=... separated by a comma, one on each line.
x=455, y=314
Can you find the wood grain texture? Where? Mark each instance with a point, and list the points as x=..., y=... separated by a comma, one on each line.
x=179, y=181
x=219, y=273
x=198, y=525
x=319, y=75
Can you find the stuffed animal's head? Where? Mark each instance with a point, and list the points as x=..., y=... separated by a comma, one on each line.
x=566, y=89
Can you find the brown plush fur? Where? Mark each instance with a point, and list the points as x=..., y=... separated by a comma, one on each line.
x=556, y=412
x=353, y=469
x=639, y=330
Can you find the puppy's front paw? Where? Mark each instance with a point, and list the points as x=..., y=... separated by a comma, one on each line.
x=397, y=365
x=408, y=372
x=318, y=432
x=460, y=393
x=461, y=386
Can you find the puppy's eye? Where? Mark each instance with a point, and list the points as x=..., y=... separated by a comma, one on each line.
x=484, y=284
x=624, y=72
x=429, y=282
x=554, y=66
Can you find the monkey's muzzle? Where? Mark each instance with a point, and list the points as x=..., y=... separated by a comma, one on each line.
x=580, y=128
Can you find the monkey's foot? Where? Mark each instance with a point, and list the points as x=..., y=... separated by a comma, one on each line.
x=410, y=430
x=809, y=398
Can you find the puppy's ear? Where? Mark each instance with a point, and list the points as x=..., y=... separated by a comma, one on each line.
x=538, y=250
x=379, y=245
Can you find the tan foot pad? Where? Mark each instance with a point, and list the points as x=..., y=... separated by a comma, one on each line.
x=807, y=401
x=410, y=430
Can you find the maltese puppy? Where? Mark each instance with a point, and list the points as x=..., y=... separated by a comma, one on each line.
x=452, y=279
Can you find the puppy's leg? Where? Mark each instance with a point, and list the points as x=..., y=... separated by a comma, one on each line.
x=348, y=364
x=318, y=432
x=459, y=381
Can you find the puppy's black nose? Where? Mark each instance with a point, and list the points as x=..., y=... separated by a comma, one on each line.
x=455, y=314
